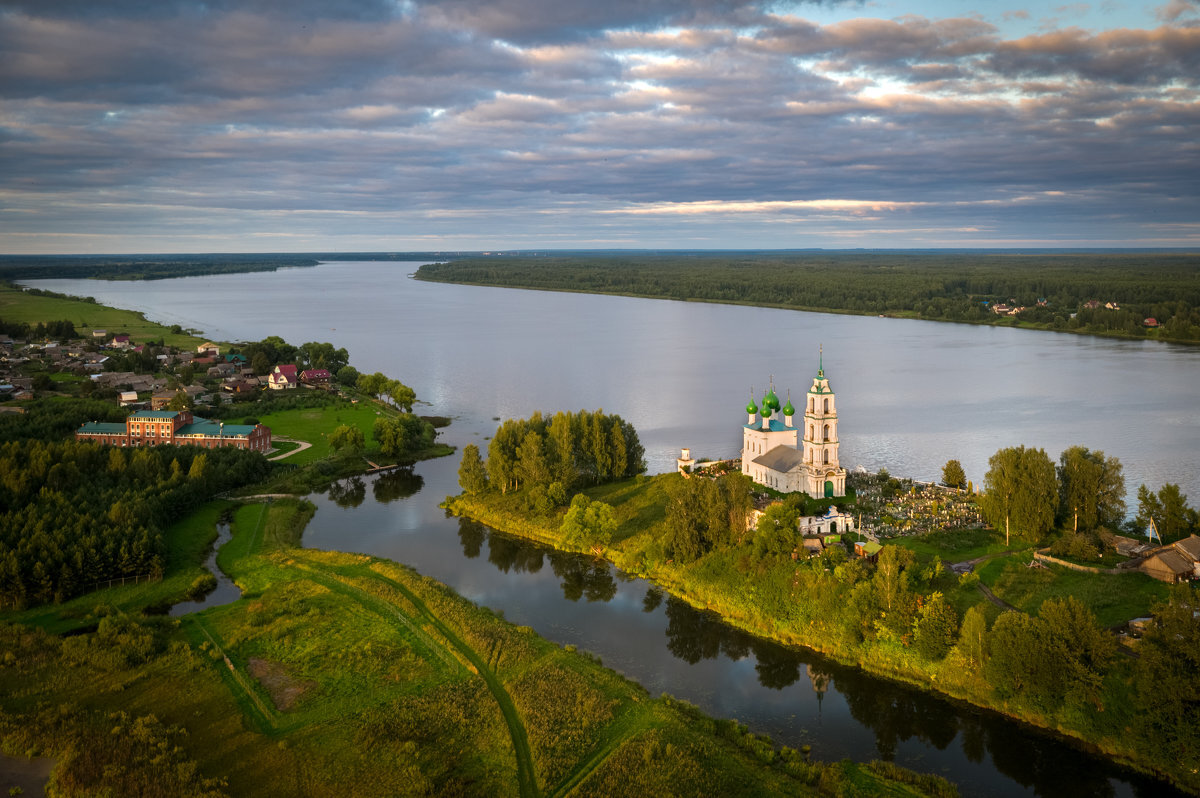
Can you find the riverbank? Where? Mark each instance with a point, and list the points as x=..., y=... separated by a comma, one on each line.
x=346, y=674
x=800, y=605
x=1100, y=294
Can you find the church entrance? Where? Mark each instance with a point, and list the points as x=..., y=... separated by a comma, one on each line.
x=828, y=490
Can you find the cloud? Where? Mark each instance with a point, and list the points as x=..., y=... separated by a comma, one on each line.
x=673, y=120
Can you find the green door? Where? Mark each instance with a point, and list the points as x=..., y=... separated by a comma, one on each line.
x=828, y=490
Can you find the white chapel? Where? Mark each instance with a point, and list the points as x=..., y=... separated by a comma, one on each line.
x=774, y=454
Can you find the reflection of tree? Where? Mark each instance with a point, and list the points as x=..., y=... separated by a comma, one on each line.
x=510, y=554
x=896, y=714
x=583, y=578
x=777, y=667
x=348, y=492
x=652, y=599
x=471, y=535
x=396, y=484
x=1049, y=767
x=693, y=635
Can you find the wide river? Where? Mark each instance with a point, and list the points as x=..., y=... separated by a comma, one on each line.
x=911, y=395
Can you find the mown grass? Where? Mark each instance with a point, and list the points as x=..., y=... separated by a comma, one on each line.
x=19, y=306
x=1114, y=598
x=953, y=545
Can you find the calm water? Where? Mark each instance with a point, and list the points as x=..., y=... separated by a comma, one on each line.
x=911, y=395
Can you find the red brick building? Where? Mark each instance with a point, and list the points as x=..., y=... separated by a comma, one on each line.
x=177, y=428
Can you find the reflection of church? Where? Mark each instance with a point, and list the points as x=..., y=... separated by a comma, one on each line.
x=774, y=454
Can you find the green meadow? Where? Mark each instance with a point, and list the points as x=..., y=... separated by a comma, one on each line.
x=341, y=674
x=19, y=306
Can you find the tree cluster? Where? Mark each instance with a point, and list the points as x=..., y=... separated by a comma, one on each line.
x=75, y=513
x=559, y=455
x=381, y=386
x=704, y=515
x=1024, y=493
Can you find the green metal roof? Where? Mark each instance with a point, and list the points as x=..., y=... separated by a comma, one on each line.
x=154, y=414
x=102, y=428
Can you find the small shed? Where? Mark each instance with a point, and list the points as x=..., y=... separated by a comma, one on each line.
x=1167, y=565
x=127, y=398
x=868, y=549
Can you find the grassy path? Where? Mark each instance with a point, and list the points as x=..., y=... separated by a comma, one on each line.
x=526, y=776
x=453, y=652
x=618, y=732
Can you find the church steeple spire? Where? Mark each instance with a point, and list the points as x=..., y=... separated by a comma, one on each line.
x=821, y=361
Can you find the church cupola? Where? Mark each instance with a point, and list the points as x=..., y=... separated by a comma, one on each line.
x=788, y=411
x=752, y=409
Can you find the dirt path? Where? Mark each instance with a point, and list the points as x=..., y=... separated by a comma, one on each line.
x=303, y=445
x=992, y=597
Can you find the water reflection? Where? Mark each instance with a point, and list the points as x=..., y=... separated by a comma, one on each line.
x=898, y=717
x=399, y=483
x=348, y=493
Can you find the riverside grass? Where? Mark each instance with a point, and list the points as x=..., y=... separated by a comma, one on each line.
x=757, y=596
x=341, y=674
x=20, y=306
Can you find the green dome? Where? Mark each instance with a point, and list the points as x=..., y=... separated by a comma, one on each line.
x=752, y=408
x=788, y=410
x=766, y=411
x=771, y=400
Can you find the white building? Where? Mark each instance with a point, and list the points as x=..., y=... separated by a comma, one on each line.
x=775, y=455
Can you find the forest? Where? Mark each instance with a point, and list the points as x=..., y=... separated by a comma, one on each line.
x=75, y=514
x=1054, y=289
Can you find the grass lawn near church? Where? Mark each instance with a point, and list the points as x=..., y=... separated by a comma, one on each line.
x=1114, y=598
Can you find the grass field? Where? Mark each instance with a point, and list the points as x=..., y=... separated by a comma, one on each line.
x=1114, y=599
x=18, y=306
x=341, y=674
x=314, y=424
x=954, y=546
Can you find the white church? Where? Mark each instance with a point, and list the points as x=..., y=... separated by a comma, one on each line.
x=774, y=454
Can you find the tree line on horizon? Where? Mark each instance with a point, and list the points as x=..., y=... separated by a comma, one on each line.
x=943, y=286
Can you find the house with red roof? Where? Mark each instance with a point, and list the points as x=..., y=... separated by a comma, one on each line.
x=318, y=378
x=283, y=377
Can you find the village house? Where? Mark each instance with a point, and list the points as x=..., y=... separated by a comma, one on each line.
x=208, y=349
x=283, y=377
x=1178, y=562
x=177, y=428
x=127, y=398
x=317, y=378
x=120, y=342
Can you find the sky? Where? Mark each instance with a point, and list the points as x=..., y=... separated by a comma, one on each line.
x=390, y=125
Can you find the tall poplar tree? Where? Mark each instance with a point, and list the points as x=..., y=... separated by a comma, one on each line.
x=1021, y=493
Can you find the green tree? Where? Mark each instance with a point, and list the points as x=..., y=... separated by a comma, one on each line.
x=953, y=475
x=972, y=638
x=347, y=438
x=401, y=395
x=1091, y=489
x=1020, y=493
x=1167, y=676
x=1082, y=650
x=180, y=401
x=346, y=375
x=935, y=628
x=588, y=523
x=472, y=476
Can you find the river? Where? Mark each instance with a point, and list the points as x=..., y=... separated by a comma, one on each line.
x=911, y=395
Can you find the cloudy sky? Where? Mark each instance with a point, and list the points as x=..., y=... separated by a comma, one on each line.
x=321, y=125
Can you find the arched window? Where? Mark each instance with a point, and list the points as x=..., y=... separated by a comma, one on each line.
x=826, y=405
x=826, y=457
x=826, y=432
x=812, y=433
